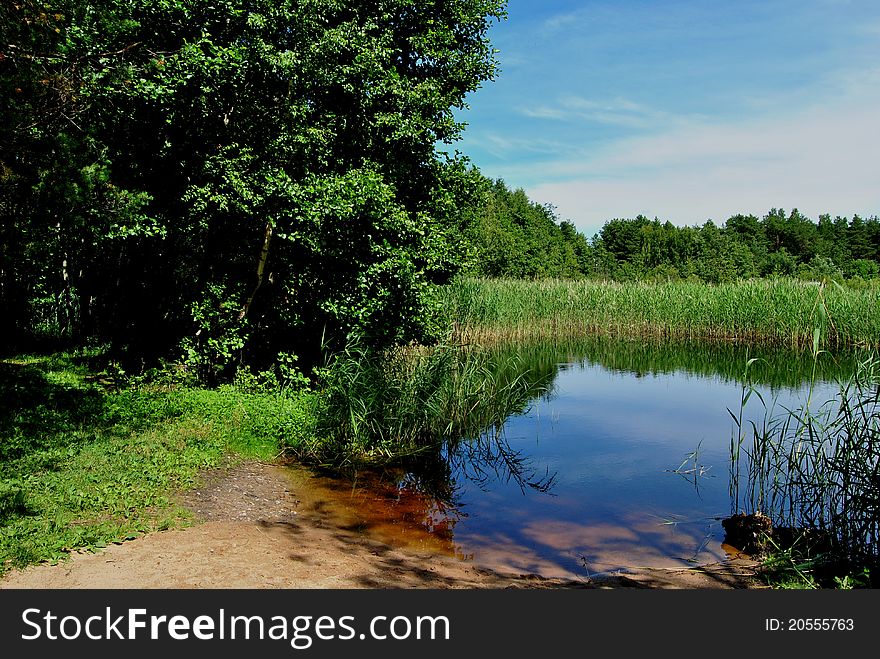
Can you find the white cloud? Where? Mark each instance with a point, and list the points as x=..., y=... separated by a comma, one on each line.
x=502, y=146
x=564, y=20
x=617, y=111
x=819, y=160
x=545, y=112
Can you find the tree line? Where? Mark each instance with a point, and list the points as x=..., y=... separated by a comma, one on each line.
x=512, y=236
x=745, y=246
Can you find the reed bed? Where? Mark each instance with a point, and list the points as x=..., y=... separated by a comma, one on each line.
x=774, y=312
x=816, y=470
x=376, y=408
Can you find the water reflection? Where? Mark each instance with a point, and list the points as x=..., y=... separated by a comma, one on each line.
x=616, y=458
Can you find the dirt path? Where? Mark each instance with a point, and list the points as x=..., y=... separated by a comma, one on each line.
x=256, y=532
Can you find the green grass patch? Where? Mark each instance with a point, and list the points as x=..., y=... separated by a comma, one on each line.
x=85, y=462
x=376, y=408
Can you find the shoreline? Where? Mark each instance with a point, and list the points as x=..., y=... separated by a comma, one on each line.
x=253, y=529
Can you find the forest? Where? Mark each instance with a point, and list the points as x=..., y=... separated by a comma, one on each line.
x=233, y=181
x=515, y=237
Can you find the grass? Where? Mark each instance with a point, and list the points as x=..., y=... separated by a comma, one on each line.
x=815, y=472
x=770, y=312
x=379, y=408
x=84, y=462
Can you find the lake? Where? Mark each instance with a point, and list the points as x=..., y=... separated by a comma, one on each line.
x=621, y=461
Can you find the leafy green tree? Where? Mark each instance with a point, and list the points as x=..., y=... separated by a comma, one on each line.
x=794, y=232
x=779, y=244
x=722, y=258
x=624, y=238
x=748, y=231
x=245, y=176
x=512, y=236
x=859, y=239
x=583, y=250
x=56, y=200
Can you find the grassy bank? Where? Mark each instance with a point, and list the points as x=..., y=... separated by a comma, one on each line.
x=86, y=461
x=773, y=312
x=88, y=458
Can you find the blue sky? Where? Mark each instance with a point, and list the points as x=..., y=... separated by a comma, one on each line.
x=685, y=111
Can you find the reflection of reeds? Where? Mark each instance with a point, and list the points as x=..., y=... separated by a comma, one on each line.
x=816, y=470
x=777, y=312
x=774, y=367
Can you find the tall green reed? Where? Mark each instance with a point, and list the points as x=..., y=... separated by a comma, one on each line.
x=775, y=312
x=377, y=407
x=815, y=469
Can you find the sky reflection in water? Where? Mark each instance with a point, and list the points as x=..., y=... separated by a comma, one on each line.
x=639, y=461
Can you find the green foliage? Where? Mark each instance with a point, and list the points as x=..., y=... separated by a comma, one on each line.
x=820, y=268
x=289, y=374
x=746, y=246
x=12, y=500
x=234, y=178
x=779, y=264
x=217, y=344
x=374, y=408
x=511, y=236
x=863, y=269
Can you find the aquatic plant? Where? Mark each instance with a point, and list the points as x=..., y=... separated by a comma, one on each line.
x=815, y=471
x=375, y=407
x=779, y=312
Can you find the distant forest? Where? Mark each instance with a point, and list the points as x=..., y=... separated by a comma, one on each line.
x=512, y=236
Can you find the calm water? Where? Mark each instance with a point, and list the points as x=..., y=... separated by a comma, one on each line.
x=622, y=462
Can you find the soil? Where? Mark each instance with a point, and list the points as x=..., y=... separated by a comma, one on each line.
x=258, y=528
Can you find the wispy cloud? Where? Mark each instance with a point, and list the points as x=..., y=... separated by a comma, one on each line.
x=821, y=160
x=564, y=20
x=545, y=112
x=616, y=111
x=502, y=146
